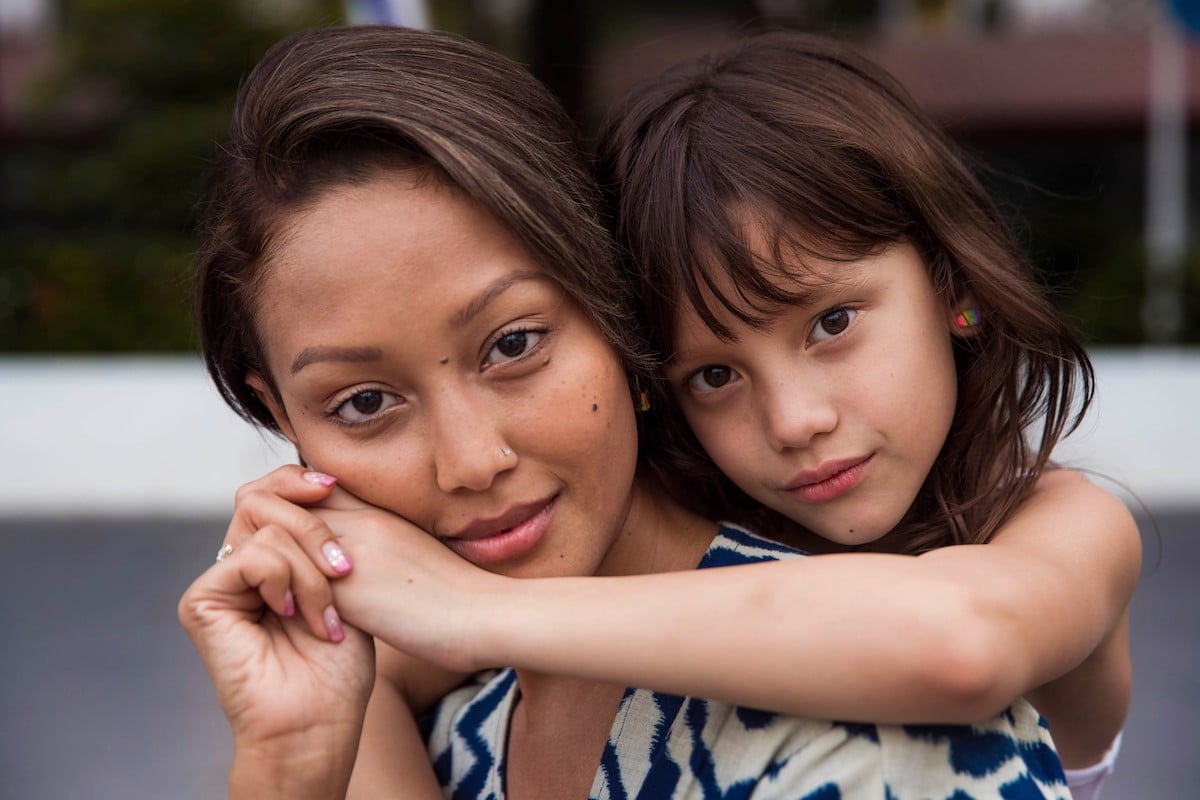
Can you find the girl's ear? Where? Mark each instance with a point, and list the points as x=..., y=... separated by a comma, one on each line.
x=965, y=318
x=266, y=395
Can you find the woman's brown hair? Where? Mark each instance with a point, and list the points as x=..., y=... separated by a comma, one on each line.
x=341, y=106
x=799, y=136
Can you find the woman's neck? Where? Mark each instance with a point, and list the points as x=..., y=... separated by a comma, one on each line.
x=658, y=534
x=571, y=716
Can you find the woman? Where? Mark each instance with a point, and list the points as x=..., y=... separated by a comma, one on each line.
x=404, y=271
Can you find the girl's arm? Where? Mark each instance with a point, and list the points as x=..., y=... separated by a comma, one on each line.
x=954, y=635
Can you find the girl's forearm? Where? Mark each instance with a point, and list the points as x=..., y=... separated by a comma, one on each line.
x=818, y=637
x=953, y=635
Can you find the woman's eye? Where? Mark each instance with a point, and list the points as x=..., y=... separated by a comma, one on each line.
x=365, y=405
x=833, y=323
x=711, y=378
x=512, y=346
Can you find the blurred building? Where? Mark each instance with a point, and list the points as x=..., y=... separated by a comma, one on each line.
x=24, y=51
x=1094, y=101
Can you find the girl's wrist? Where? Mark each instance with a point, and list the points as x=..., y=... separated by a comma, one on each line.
x=488, y=636
x=516, y=620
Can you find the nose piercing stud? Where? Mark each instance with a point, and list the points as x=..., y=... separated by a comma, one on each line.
x=504, y=451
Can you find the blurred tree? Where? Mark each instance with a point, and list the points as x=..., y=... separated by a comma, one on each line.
x=95, y=205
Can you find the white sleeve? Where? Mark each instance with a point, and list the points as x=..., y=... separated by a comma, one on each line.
x=1085, y=783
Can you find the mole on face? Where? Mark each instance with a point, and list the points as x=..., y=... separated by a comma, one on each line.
x=444, y=360
x=595, y=407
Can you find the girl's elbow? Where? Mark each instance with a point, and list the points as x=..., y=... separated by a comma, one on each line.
x=969, y=671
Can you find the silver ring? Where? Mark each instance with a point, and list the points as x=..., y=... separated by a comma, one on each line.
x=225, y=550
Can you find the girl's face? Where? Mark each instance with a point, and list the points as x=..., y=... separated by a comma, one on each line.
x=834, y=413
x=428, y=363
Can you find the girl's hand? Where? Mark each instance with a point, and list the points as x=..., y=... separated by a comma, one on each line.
x=295, y=702
x=408, y=589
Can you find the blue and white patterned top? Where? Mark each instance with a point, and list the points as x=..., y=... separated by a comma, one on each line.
x=666, y=746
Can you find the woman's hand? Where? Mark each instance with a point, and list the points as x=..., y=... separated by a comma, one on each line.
x=390, y=578
x=272, y=509
x=295, y=702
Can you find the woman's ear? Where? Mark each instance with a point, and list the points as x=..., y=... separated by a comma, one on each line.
x=266, y=395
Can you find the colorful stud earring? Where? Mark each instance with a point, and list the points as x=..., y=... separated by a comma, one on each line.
x=969, y=318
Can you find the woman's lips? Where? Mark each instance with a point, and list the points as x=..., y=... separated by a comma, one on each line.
x=832, y=481
x=487, y=544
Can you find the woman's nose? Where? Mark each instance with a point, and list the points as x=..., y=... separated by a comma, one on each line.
x=469, y=449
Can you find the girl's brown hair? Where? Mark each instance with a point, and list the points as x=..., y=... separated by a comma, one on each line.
x=799, y=136
x=339, y=106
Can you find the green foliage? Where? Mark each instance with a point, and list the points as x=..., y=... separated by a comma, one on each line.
x=95, y=211
x=96, y=194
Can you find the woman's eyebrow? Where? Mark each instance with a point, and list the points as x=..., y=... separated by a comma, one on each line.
x=496, y=288
x=312, y=355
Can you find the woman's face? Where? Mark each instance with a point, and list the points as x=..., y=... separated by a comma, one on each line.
x=429, y=364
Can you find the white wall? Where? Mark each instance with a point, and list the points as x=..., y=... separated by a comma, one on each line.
x=122, y=436
x=146, y=436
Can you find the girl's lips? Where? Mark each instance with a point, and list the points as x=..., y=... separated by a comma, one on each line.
x=837, y=484
x=508, y=544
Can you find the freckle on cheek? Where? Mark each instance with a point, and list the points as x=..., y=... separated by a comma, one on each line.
x=595, y=407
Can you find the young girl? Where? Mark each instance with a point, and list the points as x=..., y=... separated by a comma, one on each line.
x=859, y=347
x=402, y=271
x=854, y=342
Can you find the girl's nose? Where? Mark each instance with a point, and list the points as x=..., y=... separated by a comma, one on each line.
x=794, y=409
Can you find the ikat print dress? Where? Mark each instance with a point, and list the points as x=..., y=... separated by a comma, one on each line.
x=664, y=746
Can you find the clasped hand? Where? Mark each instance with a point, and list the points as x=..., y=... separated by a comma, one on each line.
x=283, y=623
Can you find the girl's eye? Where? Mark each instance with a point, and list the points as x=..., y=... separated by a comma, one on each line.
x=833, y=323
x=711, y=378
x=512, y=346
x=365, y=405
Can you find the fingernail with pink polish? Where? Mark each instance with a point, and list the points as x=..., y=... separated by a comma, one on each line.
x=320, y=478
x=334, y=626
x=289, y=604
x=337, y=558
